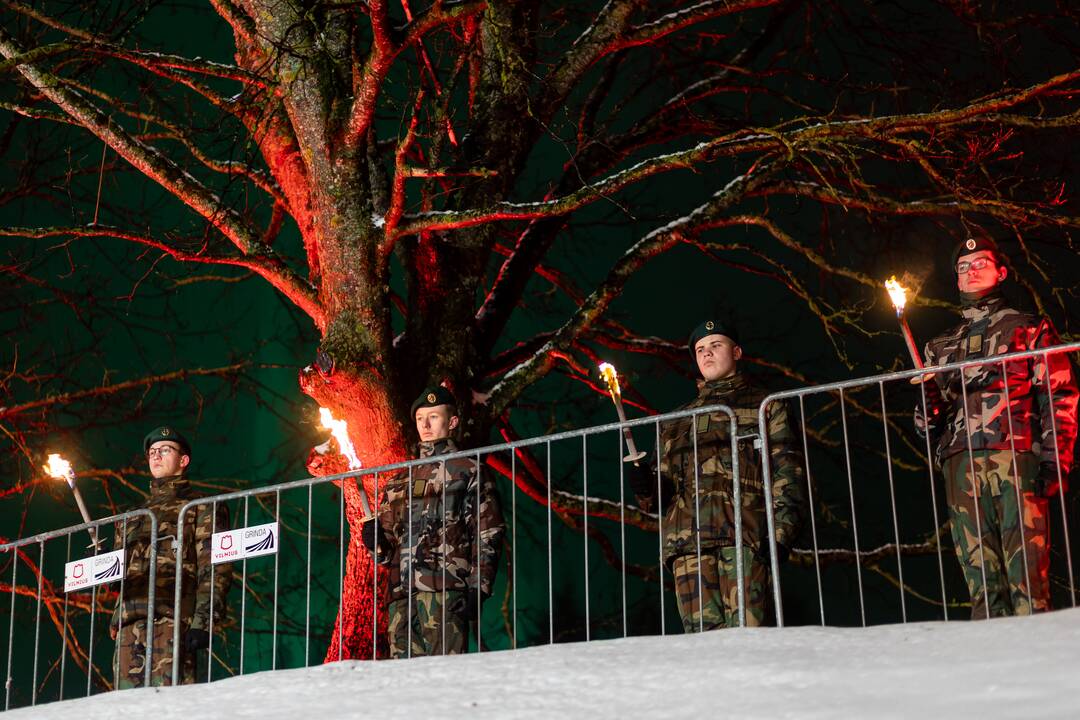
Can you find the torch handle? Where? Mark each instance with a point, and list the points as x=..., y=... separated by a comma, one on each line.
x=83, y=511
x=633, y=454
x=909, y=340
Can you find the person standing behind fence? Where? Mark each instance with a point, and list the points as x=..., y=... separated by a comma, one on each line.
x=982, y=456
x=169, y=456
x=440, y=530
x=715, y=349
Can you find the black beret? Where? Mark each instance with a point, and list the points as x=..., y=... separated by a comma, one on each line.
x=433, y=397
x=974, y=244
x=712, y=327
x=165, y=432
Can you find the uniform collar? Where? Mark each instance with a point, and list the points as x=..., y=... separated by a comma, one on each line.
x=167, y=488
x=722, y=388
x=437, y=447
x=980, y=308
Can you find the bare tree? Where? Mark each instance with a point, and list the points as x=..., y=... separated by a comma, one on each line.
x=403, y=173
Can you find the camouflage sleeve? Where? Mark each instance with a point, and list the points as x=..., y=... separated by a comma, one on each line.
x=487, y=538
x=211, y=580
x=1054, y=377
x=788, y=478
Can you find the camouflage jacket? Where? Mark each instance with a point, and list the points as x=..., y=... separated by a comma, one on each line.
x=992, y=328
x=714, y=482
x=167, y=496
x=443, y=525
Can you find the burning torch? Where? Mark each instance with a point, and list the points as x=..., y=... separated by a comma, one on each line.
x=898, y=294
x=60, y=469
x=611, y=378
x=339, y=429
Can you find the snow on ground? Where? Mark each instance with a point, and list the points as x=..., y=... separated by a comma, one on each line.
x=1009, y=668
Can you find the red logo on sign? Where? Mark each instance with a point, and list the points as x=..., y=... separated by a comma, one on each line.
x=226, y=542
x=77, y=571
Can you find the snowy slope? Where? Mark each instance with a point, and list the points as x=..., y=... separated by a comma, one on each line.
x=1011, y=668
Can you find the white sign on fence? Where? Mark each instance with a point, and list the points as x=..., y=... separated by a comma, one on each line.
x=104, y=568
x=243, y=543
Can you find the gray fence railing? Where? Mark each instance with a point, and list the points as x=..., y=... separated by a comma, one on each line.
x=601, y=497
x=68, y=632
x=837, y=400
x=580, y=560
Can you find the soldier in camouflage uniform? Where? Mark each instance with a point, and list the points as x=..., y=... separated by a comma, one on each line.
x=169, y=456
x=439, y=529
x=1009, y=448
x=708, y=495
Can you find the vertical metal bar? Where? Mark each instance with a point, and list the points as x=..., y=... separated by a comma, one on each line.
x=375, y=574
x=11, y=634
x=409, y=599
x=933, y=498
x=975, y=494
x=660, y=528
x=740, y=571
x=854, y=521
x=213, y=576
x=243, y=592
x=892, y=499
x=1016, y=483
x=341, y=571
x=1061, y=489
x=811, y=502
x=585, y=535
x=479, y=533
x=622, y=525
x=770, y=518
x=151, y=594
x=89, y=644
x=513, y=546
x=120, y=604
x=37, y=623
x=551, y=594
x=307, y=584
x=442, y=544
x=697, y=522
x=277, y=556
x=63, y=634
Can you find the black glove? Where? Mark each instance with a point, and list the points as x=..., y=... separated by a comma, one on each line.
x=641, y=478
x=1046, y=482
x=368, y=537
x=783, y=552
x=195, y=639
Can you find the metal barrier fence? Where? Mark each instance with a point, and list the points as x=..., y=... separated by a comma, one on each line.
x=70, y=628
x=564, y=482
x=580, y=561
x=842, y=397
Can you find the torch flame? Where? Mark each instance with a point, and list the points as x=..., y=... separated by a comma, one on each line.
x=58, y=467
x=339, y=429
x=611, y=377
x=897, y=292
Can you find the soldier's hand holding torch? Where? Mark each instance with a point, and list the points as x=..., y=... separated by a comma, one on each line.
x=611, y=379
x=60, y=469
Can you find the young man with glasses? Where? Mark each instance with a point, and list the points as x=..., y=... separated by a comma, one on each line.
x=169, y=457
x=1007, y=449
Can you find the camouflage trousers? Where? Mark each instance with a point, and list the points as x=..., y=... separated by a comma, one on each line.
x=717, y=603
x=129, y=658
x=430, y=635
x=1007, y=572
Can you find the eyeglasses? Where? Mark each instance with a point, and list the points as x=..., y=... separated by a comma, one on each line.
x=976, y=264
x=161, y=452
